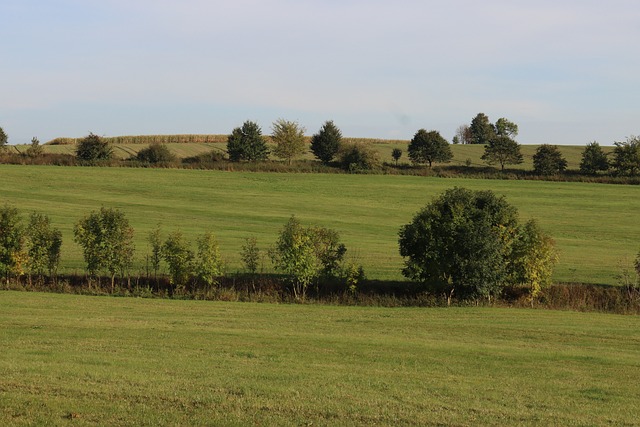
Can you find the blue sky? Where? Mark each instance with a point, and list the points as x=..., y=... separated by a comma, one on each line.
x=567, y=72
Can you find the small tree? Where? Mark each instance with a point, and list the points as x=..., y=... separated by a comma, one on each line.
x=289, y=139
x=155, y=153
x=305, y=253
x=4, y=139
x=548, y=160
x=35, y=149
x=250, y=254
x=43, y=243
x=532, y=258
x=358, y=157
x=179, y=258
x=208, y=262
x=429, y=147
x=594, y=159
x=106, y=239
x=93, y=148
x=12, y=237
x=326, y=144
x=463, y=134
x=626, y=156
x=294, y=255
x=155, y=241
x=481, y=130
x=247, y=143
x=502, y=150
x=396, y=154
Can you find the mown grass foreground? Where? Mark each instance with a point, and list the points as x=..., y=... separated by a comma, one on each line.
x=78, y=360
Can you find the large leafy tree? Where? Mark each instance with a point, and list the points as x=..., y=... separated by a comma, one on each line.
x=481, y=130
x=289, y=139
x=594, y=159
x=462, y=243
x=626, y=156
x=93, y=148
x=502, y=150
x=106, y=239
x=457, y=243
x=429, y=147
x=326, y=143
x=247, y=143
x=548, y=160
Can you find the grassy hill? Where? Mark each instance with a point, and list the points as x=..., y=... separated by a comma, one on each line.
x=595, y=225
x=192, y=145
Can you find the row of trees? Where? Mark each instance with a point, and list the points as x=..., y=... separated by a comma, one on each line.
x=303, y=254
x=246, y=143
x=467, y=243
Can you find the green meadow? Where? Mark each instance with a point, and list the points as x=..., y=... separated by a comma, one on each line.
x=595, y=226
x=78, y=360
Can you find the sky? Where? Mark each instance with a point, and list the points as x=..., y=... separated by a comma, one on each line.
x=566, y=71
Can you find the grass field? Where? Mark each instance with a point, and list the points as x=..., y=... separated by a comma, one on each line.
x=595, y=225
x=76, y=360
x=461, y=153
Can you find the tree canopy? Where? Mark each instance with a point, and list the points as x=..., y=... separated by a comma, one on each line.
x=626, y=156
x=594, y=159
x=289, y=139
x=548, y=160
x=4, y=138
x=481, y=130
x=247, y=143
x=93, y=148
x=429, y=147
x=502, y=150
x=106, y=239
x=463, y=242
x=326, y=144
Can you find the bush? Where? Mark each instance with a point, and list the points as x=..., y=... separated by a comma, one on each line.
x=593, y=159
x=93, y=148
x=358, y=157
x=155, y=153
x=306, y=253
x=548, y=160
x=462, y=242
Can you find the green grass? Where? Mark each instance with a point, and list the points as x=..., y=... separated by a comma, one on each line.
x=113, y=361
x=595, y=225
